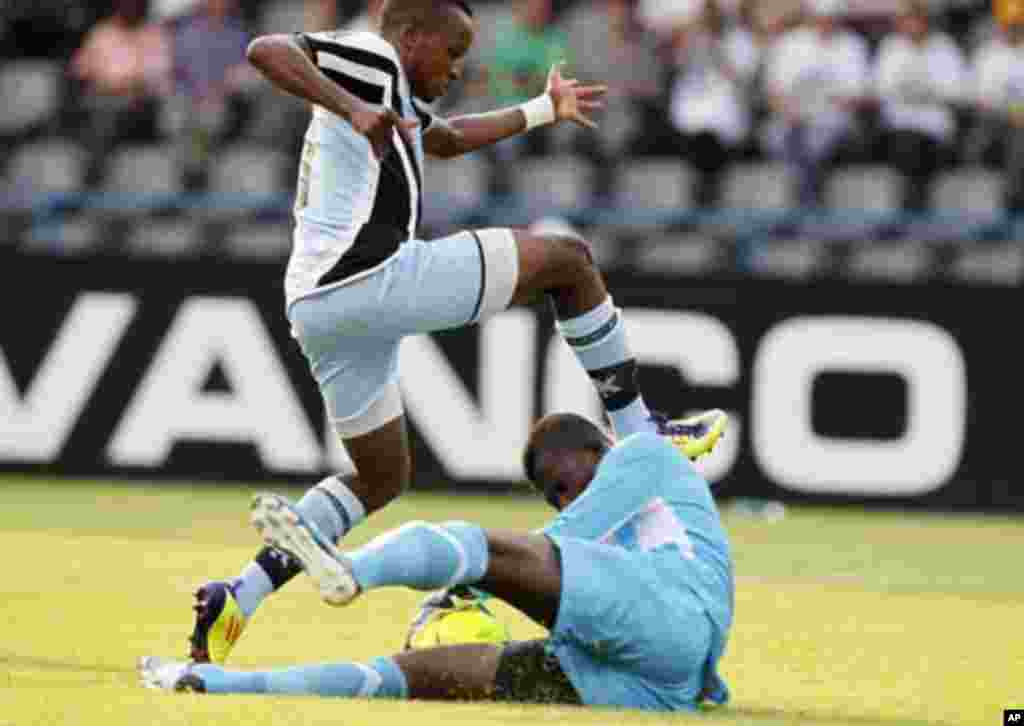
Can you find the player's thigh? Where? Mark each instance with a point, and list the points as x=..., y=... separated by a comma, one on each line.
x=524, y=570
x=382, y=459
x=618, y=606
x=520, y=672
x=450, y=282
x=451, y=673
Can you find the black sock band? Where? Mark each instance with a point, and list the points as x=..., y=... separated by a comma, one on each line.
x=616, y=385
x=279, y=565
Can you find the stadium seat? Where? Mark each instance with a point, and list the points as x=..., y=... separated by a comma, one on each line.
x=283, y=16
x=51, y=166
x=453, y=187
x=277, y=120
x=761, y=187
x=260, y=241
x=1001, y=264
x=165, y=238
x=971, y=191
x=30, y=90
x=796, y=259
x=754, y=199
x=552, y=183
x=679, y=254
x=873, y=189
x=908, y=261
x=78, y=234
x=605, y=248
x=139, y=175
x=860, y=200
x=967, y=206
x=663, y=186
x=616, y=125
x=244, y=171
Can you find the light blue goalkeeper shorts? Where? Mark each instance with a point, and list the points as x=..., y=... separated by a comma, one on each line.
x=630, y=633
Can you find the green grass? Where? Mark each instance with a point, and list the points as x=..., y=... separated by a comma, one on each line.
x=843, y=616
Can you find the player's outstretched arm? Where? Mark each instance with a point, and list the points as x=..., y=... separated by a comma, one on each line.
x=287, y=64
x=564, y=100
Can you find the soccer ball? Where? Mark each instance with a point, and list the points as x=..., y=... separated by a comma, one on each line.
x=469, y=623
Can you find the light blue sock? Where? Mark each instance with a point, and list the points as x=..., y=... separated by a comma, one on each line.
x=598, y=338
x=382, y=678
x=332, y=507
x=423, y=556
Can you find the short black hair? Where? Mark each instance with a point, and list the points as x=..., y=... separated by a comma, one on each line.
x=397, y=13
x=563, y=431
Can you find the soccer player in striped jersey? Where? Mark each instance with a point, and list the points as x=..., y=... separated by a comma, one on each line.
x=359, y=279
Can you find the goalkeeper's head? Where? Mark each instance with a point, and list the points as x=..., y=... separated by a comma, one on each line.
x=562, y=455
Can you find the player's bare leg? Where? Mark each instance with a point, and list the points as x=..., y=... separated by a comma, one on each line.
x=382, y=458
x=522, y=569
x=451, y=673
x=561, y=267
x=525, y=571
x=384, y=462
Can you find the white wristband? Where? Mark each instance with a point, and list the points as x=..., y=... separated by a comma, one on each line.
x=539, y=111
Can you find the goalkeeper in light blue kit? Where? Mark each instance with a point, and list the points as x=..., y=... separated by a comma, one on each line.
x=633, y=579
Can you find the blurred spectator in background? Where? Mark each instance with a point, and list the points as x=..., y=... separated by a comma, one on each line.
x=124, y=66
x=709, y=107
x=918, y=77
x=813, y=75
x=998, y=70
x=325, y=15
x=612, y=47
x=663, y=17
x=50, y=29
x=211, y=78
x=527, y=44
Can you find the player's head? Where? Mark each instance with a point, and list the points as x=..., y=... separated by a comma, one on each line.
x=432, y=38
x=913, y=20
x=562, y=455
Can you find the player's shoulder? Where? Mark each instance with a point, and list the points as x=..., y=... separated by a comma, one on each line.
x=365, y=41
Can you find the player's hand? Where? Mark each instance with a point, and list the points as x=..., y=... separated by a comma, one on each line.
x=377, y=125
x=573, y=101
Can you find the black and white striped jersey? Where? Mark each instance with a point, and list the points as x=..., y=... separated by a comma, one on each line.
x=353, y=211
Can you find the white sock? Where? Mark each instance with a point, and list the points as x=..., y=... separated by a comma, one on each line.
x=634, y=418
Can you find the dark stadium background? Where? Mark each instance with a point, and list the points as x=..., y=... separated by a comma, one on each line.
x=165, y=217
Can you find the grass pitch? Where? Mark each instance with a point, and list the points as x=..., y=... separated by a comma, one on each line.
x=842, y=616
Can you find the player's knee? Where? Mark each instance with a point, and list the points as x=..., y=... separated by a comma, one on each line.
x=574, y=253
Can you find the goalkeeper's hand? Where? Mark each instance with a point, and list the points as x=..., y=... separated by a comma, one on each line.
x=440, y=603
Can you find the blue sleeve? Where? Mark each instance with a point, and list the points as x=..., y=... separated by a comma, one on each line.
x=634, y=472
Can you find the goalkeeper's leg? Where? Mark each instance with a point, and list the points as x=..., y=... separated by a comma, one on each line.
x=522, y=672
x=522, y=569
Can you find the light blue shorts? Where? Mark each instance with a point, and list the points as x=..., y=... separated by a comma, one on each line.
x=350, y=333
x=629, y=632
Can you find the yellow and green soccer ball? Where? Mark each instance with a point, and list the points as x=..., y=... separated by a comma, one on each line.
x=467, y=622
